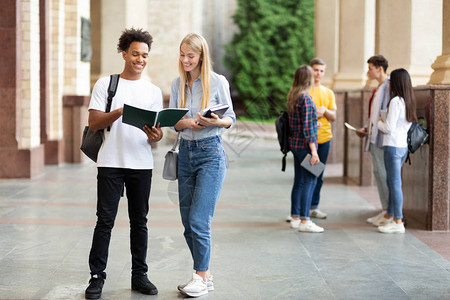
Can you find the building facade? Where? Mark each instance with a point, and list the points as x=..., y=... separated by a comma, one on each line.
x=54, y=50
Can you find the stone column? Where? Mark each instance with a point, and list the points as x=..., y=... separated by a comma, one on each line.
x=326, y=32
x=116, y=15
x=21, y=154
x=356, y=42
x=55, y=45
x=441, y=65
x=416, y=38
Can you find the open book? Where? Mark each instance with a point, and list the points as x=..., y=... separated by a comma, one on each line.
x=218, y=109
x=316, y=169
x=139, y=117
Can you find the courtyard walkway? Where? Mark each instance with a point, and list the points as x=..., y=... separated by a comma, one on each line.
x=46, y=226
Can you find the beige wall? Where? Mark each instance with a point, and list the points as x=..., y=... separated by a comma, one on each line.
x=327, y=36
x=168, y=29
x=407, y=32
x=76, y=72
x=441, y=66
x=356, y=42
x=168, y=21
x=56, y=68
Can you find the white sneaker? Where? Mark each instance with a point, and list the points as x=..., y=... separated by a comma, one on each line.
x=392, y=227
x=317, y=214
x=196, y=287
x=372, y=219
x=309, y=227
x=295, y=223
x=209, y=284
x=288, y=218
x=382, y=221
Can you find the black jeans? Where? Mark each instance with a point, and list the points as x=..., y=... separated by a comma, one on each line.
x=110, y=184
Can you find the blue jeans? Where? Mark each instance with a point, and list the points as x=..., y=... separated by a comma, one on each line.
x=322, y=151
x=393, y=160
x=201, y=172
x=302, y=189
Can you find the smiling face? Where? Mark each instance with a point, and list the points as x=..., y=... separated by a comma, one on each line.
x=319, y=72
x=190, y=60
x=135, y=60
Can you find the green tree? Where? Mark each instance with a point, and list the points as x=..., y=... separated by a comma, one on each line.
x=274, y=38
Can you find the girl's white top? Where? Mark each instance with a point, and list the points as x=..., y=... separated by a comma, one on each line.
x=396, y=127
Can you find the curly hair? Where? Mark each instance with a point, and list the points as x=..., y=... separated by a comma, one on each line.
x=134, y=35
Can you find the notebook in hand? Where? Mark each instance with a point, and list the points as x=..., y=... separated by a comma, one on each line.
x=316, y=169
x=218, y=109
x=139, y=117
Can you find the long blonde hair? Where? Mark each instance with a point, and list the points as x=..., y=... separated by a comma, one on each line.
x=303, y=80
x=198, y=44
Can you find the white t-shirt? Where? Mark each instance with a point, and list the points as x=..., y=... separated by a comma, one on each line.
x=396, y=126
x=126, y=146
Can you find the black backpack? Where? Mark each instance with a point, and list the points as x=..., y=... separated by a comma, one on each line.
x=417, y=136
x=282, y=127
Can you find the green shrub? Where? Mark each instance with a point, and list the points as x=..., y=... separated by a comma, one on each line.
x=274, y=38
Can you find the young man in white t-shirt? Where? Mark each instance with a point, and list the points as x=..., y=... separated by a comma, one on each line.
x=374, y=140
x=125, y=159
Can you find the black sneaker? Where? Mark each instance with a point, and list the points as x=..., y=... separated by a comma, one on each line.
x=94, y=290
x=143, y=285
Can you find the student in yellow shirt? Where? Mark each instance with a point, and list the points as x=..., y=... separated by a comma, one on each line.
x=326, y=114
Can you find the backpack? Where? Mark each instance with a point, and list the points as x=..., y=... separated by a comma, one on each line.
x=92, y=140
x=417, y=136
x=282, y=127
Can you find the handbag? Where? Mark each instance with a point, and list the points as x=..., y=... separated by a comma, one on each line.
x=92, y=140
x=170, y=169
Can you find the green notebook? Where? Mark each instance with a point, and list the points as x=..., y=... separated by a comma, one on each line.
x=139, y=117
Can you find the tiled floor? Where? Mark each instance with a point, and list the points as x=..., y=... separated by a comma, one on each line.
x=46, y=229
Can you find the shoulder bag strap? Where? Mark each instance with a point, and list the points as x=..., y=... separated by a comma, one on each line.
x=176, y=142
x=112, y=88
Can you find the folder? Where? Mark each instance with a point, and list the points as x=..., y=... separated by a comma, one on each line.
x=316, y=169
x=139, y=117
x=218, y=109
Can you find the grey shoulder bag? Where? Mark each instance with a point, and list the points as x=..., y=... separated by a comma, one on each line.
x=170, y=169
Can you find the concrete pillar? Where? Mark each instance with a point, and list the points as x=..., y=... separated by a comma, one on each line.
x=218, y=29
x=356, y=42
x=116, y=15
x=441, y=65
x=21, y=154
x=409, y=35
x=326, y=32
x=76, y=72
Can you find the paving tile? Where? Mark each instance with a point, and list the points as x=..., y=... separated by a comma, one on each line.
x=46, y=227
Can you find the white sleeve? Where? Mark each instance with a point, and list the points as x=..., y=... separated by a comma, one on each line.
x=392, y=116
x=99, y=95
x=174, y=93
